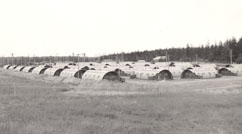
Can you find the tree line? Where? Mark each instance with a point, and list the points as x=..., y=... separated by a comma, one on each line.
x=217, y=52
x=36, y=60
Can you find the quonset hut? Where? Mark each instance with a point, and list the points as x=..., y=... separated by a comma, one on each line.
x=19, y=68
x=164, y=75
x=101, y=75
x=144, y=74
x=231, y=70
x=12, y=67
x=39, y=70
x=28, y=69
x=72, y=73
x=158, y=74
x=53, y=71
x=6, y=66
x=199, y=73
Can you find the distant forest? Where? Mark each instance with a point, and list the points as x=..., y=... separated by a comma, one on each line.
x=217, y=52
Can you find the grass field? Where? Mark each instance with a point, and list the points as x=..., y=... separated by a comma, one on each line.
x=29, y=106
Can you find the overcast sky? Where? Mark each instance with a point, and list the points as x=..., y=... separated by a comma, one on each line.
x=95, y=27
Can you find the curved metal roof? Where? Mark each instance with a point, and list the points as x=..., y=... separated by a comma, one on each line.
x=28, y=68
x=145, y=74
x=99, y=75
x=202, y=72
x=68, y=73
x=38, y=69
x=6, y=66
x=53, y=71
x=234, y=70
x=19, y=68
x=12, y=67
x=72, y=73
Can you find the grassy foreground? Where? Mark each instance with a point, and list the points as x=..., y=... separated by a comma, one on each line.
x=34, y=107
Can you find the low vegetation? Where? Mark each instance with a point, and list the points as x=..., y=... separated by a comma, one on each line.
x=35, y=107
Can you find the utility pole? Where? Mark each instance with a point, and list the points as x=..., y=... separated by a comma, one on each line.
x=73, y=56
x=12, y=54
x=8, y=60
x=34, y=58
x=122, y=56
x=27, y=60
x=116, y=58
x=78, y=67
x=2, y=61
x=84, y=58
x=57, y=59
x=21, y=60
x=196, y=58
x=231, y=56
x=167, y=59
x=24, y=61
